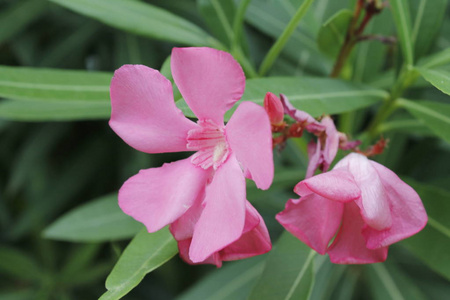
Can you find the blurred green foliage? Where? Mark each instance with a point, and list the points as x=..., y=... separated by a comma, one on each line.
x=54, y=175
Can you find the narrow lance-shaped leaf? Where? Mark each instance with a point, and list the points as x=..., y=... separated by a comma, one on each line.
x=437, y=77
x=218, y=15
x=431, y=244
x=18, y=16
x=332, y=34
x=281, y=41
x=433, y=114
x=53, y=85
x=143, y=19
x=24, y=110
x=436, y=60
x=388, y=282
x=146, y=252
x=317, y=96
x=100, y=220
x=233, y=281
x=428, y=16
x=288, y=273
x=402, y=18
x=271, y=17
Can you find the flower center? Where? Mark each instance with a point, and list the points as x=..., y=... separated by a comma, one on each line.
x=210, y=143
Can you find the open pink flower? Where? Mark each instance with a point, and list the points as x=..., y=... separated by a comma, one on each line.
x=206, y=192
x=363, y=202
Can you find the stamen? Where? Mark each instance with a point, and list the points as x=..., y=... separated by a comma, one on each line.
x=211, y=145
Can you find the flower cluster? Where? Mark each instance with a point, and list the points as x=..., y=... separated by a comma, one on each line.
x=353, y=212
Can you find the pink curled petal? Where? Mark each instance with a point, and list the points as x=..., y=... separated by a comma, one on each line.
x=222, y=220
x=331, y=142
x=143, y=112
x=312, y=219
x=336, y=185
x=349, y=246
x=210, y=80
x=408, y=214
x=255, y=239
x=158, y=196
x=296, y=114
x=183, y=249
x=250, y=138
x=315, y=158
x=374, y=201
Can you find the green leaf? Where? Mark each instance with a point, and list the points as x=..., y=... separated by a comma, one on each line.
x=402, y=18
x=142, y=19
x=24, y=110
x=427, y=23
x=439, y=78
x=18, y=16
x=433, y=114
x=271, y=17
x=18, y=264
x=389, y=283
x=146, y=252
x=233, y=281
x=432, y=243
x=288, y=273
x=100, y=220
x=332, y=34
x=52, y=84
x=328, y=277
x=219, y=15
x=284, y=37
x=316, y=96
x=436, y=60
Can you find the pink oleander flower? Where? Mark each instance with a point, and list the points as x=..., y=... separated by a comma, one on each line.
x=203, y=197
x=361, y=203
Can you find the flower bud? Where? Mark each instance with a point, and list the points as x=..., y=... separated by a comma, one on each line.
x=274, y=109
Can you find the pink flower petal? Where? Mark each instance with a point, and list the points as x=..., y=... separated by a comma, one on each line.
x=143, y=112
x=337, y=185
x=408, y=213
x=183, y=227
x=255, y=239
x=158, y=196
x=296, y=114
x=315, y=158
x=374, y=201
x=312, y=219
x=211, y=81
x=250, y=137
x=349, y=246
x=222, y=220
x=331, y=142
x=183, y=248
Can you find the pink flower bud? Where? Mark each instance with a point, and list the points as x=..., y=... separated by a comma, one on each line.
x=274, y=109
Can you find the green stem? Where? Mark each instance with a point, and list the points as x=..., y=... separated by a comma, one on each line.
x=273, y=53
